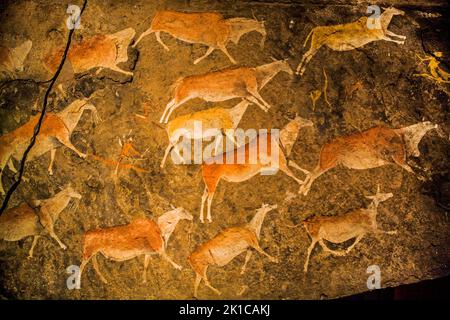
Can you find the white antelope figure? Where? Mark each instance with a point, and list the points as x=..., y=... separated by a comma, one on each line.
x=372, y=148
x=349, y=36
x=351, y=225
x=56, y=130
x=208, y=28
x=226, y=84
x=35, y=219
x=219, y=169
x=213, y=121
x=227, y=245
x=142, y=236
x=12, y=59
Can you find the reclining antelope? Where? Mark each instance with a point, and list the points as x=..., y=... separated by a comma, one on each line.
x=217, y=168
x=208, y=28
x=12, y=59
x=100, y=51
x=372, y=148
x=226, y=84
x=142, y=236
x=214, y=122
x=56, y=130
x=349, y=36
x=227, y=245
x=338, y=229
x=35, y=219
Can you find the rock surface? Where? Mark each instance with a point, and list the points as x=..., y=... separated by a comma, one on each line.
x=374, y=85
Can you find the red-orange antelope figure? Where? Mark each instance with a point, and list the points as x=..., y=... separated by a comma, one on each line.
x=251, y=159
x=372, y=148
x=56, y=130
x=100, y=51
x=208, y=28
x=142, y=236
x=226, y=84
x=227, y=245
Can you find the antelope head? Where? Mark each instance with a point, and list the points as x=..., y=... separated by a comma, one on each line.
x=261, y=29
x=379, y=197
x=394, y=11
x=71, y=192
x=184, y=214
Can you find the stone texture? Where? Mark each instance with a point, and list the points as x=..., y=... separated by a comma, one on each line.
x=388, y=94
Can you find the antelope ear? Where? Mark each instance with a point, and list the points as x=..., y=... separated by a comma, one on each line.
x=172, y=206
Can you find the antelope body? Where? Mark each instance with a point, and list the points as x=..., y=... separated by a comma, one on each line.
x=12, y=59
x=242, y=82
x=372, y=148
x=349, y=36
x=338, y=229
x=226, y=246
x=100, y=51
x=219, y=169
x=36, y=219
x=208, y=28
x=213, y=121
x=142, y=236
x=56, y=129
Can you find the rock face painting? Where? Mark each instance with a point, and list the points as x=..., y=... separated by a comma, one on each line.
x=207, y=28
x=165, y=178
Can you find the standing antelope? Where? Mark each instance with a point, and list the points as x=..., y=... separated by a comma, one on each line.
x=338, y=229
x=36, y=219
x=142, y=236
x=227, y=245
x=100, y=51
x=372, y=148
x=56, y=129
x=217, y=169
x=12, y=59
x=225, y=84
x=349, y=36
x=208, y=28
x=213, y=121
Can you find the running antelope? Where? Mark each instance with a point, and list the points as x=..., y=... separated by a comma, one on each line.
x=338, y=229
x=142, y=236
x=12, y=59
x=349, y=36
x=35, y=219
x=56, y=130
x=100, y=51
x=215, y=121
x=208, y=28
x=227, y=245
x=372, y=148
x=225, y=84
x=256, y=159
